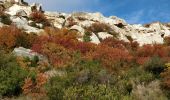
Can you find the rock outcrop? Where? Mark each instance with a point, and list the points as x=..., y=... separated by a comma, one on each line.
x=81, y=21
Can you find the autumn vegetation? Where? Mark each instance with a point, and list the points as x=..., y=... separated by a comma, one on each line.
x=38, y=17
x=111, y=70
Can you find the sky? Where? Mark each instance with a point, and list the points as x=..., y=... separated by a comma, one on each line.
x=133, y=11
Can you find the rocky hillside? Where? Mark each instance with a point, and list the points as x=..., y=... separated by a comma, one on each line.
x=84, y=23
x=80, y=56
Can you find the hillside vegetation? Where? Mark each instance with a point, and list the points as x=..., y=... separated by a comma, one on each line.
x=113, y=69
x=80, y=56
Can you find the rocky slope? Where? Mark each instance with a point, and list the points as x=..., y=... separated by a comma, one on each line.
x=81, y=21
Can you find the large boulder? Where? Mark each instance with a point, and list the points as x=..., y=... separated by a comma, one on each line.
x=94, y=39
x=23, y=52
x=78, y=28
x=104, y=35
x=21, y=13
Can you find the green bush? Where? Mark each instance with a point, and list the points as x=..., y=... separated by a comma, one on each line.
x=5, y=19
x=83, y=79
x=138, y=75
x=154, y=65
x=86, y=37
x=25, y=40
x=90, y=92
x=33, y=61
x=11, y=75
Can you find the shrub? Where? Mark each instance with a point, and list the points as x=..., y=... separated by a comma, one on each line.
x=80, y=82
x=154, y=65
x=5, y=19
x=151, y=91
x=99, y=27
x=115, y=43
x=34, y=64
x=64, y=38
x=153, y=50
x=11, y=75
x=137, y=75
x=25, y=40
x=34, y=87
x=90, y=92
x=126, y=80
x=60, y=46
x=147, y=51
x=166, y=77
x=167, y=40
x=58, y=55
x=86, y=37
x=11, y=36
x=8, y=36
x=111, y=58
x=39, y=17
x=55, y=88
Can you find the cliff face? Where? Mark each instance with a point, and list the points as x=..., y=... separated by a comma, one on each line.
x=81, y=21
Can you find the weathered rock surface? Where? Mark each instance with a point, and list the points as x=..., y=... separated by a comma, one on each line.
x=81, y=21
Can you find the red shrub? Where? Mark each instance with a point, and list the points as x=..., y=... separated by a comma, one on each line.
x=65, y=42
x=85, y=47
x=38, y=17
x=109, y=56
x=60, y=46
x=67, y=39
x=147, y=51
x=115, y=43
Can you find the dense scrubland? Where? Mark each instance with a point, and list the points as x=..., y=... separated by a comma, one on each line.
x=111, y=70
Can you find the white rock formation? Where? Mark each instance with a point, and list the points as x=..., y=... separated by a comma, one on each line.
x=94, y=39
x=140, y=33
x=79, y=29
x=148, y=34
x=104, y=35
x=15, y=8
x=23, y=52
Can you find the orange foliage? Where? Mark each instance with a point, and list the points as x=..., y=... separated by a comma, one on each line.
x=60, y=45
x=35, y=88
x=109, y=56
x=8, y=36
x=115, y=43
x=11, y=36
x=110, y=50
x=64, y=37
x=58, y=55
x=38, y=17
x=147, y=51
